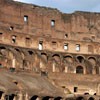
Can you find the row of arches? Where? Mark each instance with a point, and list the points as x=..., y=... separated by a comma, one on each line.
x=36, y=60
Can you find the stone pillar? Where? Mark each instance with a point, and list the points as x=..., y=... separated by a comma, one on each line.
x=13, y=62
x=66, y=69
x=15, y=97
x=53, y=67
x=20, y=96
x=26, y=96
x=3, y=97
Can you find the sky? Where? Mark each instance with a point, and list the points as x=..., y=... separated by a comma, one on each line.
x=68, y=6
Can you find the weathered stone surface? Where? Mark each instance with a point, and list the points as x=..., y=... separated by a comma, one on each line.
x=47, y=54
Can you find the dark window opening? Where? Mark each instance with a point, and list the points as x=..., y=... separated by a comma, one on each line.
x=80, y=98
x=30, y=52
x=58, y=98
x=66, y=36
x=63, y=86
x=46, y=98
x=52, y=23
x=75, y=89
x=27, y=38
x=1, y=65
x=9, y=97
x=79, y=70
x=16, y=82
x=17, y=50
x=43, y=73
x=80, y=59
x=12, y=69
x=13, y=39
x=40, y=45
x=25, y=18
x=1, y=94
x=91, y=98
x=2, y=48
x=34, y=97
x=1, y=33
x=11, y=28
x=86, y=93
x=95, y=94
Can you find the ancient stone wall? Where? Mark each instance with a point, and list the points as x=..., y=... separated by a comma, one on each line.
x=45, y=40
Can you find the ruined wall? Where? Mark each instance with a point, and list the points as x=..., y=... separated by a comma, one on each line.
x=45, y=40
x=49, y=26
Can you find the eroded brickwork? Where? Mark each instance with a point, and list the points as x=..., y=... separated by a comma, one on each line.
x=46, y=42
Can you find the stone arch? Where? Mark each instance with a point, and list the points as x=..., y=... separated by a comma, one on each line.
x=86, y=93
x=17, y=57
x=57, y=58
x=44, y=57
x=43, y=61
x=68, y=61
x=58, y=98
x=28, y=59
x=79, y=70
x=56, y=61
x=1, y=93
x=9, y=97
x=68, y=58
x=46, y=98
x=92, y=60
x=80, y=98
x=91, y=98
x=34, y=97
x=80, y=58
x=5, y=58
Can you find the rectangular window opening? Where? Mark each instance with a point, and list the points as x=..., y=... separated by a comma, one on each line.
x=13, y=39
x=75, y=89
x=1, y=33
x=65, y=46
x=66, y=36
x=77, y=47
x=52, y=23
x=40, y=45
x=25, y=18
x=54, y=44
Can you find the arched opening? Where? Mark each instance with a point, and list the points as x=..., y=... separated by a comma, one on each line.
x=92, y=60
x=30, y=52
x=1, y=92
x=80, y=98
x=34, y=97
x=91, y=98
x=10, y=97
x=79, y=70
x=95, y=94
x=58, y=98
x=56, y=57
x=44, y=56
x=56, y=63
x=86, y=93
x=46, y=98
x=68, y=59
x=2, y=48
x=80, y=59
